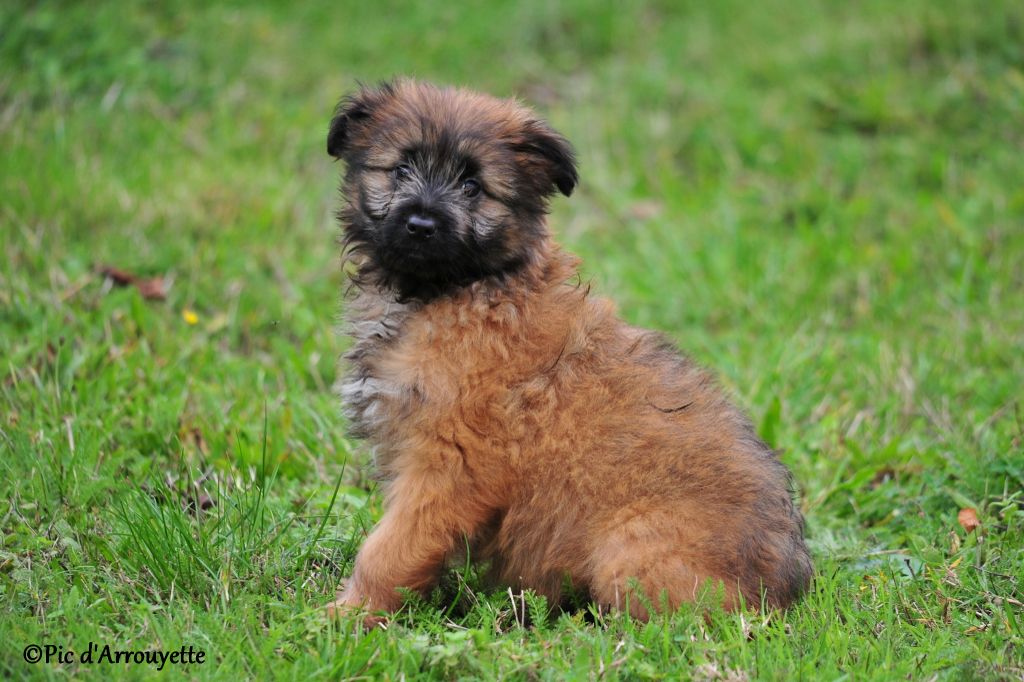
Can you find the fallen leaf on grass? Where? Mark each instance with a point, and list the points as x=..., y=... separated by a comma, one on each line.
x=151, y=288
x=968, y=518
x=117, y=276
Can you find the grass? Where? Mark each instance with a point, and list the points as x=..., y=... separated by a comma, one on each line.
x=822, y=201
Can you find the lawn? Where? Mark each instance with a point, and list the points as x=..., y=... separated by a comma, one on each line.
x=824, y=202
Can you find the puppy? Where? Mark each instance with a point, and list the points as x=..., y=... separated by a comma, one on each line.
x=509, y=410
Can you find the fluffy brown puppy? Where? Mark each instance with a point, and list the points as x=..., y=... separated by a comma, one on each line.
x=510, y=410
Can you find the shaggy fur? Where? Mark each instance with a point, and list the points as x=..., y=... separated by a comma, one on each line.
x=511, y=409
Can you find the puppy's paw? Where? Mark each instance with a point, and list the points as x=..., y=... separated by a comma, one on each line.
x=349, y=603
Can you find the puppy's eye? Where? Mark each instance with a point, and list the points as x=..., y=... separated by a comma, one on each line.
x=470, y=187
x=403, y=172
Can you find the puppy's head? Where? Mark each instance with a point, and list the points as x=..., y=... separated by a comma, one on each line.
x=444, y=186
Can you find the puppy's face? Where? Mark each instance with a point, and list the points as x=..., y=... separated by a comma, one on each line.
x=444, y=186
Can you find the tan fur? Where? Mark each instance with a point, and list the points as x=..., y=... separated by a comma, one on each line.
x=518, y=413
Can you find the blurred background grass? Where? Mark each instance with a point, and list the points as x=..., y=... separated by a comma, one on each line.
x=822, y=201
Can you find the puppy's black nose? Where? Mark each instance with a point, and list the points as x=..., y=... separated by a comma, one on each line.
x=421, y=226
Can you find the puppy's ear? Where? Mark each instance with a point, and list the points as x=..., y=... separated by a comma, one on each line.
x=551, y=154
x=350, y=113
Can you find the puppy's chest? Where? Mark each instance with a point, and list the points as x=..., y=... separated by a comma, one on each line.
x=370, y=401
x=372, y=390
x=448, y=365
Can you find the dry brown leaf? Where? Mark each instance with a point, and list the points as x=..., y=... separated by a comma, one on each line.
x=116, y=275
x=151, y=288
x=968, y=518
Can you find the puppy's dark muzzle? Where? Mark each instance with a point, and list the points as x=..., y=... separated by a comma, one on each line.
x=421, y=226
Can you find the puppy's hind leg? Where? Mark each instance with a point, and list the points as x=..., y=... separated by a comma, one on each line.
x=638, y=572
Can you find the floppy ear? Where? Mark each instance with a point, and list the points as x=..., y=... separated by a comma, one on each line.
x=351, y=111
x=552, y=153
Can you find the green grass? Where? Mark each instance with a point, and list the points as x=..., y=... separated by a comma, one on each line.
x=822, y=201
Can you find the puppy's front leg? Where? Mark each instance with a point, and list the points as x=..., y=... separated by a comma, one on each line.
x=427, y=512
